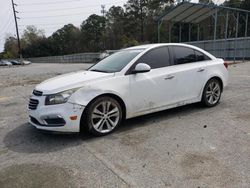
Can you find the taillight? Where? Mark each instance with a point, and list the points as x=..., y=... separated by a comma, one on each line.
x=226, y=64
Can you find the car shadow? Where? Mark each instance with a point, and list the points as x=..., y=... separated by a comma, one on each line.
x=158, y=117
x=26, y=139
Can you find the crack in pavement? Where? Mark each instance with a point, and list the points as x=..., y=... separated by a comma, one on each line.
x=100, y=159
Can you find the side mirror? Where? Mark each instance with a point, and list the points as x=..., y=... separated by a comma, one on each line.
x=141, y=67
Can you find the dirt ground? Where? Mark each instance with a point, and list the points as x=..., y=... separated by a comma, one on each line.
x=189, y=146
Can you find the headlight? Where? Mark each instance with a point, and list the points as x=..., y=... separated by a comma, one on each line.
x=59, y=98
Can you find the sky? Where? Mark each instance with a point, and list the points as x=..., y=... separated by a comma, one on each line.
x=50, y=15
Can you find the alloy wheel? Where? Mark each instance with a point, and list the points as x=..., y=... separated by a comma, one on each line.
x=213, y=93
x=105, y=116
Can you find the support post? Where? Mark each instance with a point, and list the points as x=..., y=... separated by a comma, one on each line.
x=246, y=28
x=226, y=28
x=189, y=32
x=180, y=32
x=215, y=29
x=17, y=32
x=226, y=32
x=159, y=31
x=236, y=36
x=170, y=32
x=198, y=33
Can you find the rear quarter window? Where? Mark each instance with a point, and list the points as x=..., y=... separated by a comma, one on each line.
x=183, y=55
x=200, y=56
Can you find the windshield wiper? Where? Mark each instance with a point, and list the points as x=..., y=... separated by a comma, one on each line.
x=96, y=70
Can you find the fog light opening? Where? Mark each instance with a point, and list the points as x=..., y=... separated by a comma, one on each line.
x=53, y=121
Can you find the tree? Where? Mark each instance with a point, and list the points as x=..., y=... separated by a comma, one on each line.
x=32, y=34
x=136, y=13
x=66, y=40
x=30, y=40
x=115, y=19
x=206, y=1
x=245, y=4
x=133, y=24
x=42, y=47
x=233, y=3
x=10, y=48
x=158, y=6
x=140, y=23
x=93, y=31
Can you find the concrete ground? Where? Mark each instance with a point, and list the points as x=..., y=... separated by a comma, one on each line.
x=189, y=146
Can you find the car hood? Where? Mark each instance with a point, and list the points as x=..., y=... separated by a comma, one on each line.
x=71, y=80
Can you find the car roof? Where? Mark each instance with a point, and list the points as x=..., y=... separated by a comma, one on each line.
x=147, y=46
x=150, y=46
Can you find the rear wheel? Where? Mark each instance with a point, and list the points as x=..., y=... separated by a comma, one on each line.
x=103, y=116
x=212, y=93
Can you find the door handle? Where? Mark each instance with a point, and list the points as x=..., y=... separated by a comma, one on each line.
x=169, y=77
x=201, y=70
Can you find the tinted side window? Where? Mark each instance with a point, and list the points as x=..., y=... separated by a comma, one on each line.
x=200, y=56
x=183, y=55
x=156, y=58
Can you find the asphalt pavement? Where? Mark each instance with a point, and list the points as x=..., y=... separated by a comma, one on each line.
x=189, y=146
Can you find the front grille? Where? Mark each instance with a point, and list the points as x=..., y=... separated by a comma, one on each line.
x=33, y=104
x=37, y=93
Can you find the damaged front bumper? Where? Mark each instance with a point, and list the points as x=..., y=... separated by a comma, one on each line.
x=64, y=117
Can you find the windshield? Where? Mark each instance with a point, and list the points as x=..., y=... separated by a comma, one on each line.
x=115, y=62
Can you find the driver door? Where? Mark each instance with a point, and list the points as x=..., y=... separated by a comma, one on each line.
x=154, y=89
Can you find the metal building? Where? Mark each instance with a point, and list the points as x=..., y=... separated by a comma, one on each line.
x=194, y=14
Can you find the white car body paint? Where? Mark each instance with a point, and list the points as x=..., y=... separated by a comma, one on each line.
x=65, y=82
x=142, y=93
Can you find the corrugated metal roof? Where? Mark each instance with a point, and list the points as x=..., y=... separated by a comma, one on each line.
x=194, y=12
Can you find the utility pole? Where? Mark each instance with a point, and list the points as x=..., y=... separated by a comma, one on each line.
x=17, y=32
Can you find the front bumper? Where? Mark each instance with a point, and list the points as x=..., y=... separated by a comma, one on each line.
x=56, y=117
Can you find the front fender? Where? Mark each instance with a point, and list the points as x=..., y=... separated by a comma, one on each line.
x=85, y=95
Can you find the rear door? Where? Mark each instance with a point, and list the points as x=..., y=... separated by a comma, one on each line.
x=190, y=67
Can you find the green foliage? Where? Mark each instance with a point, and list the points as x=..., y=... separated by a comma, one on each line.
x=66, y=40
x=115, y=27
x=32, y=34
x=122, y=27
x=10, y=48
x=206, y=1
x=32, y=42
x=129, y=42
x=233, y=3
x=93, y=32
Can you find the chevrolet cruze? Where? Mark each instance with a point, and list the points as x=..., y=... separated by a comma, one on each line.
x=129, y=83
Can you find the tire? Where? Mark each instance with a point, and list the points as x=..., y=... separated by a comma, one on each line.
x=212, y=93
x=102, y=116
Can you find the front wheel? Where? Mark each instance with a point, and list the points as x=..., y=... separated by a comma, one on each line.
x=211, y=93
x=103, y=116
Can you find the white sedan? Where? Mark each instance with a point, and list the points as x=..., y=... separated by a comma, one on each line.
x=129, y=83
